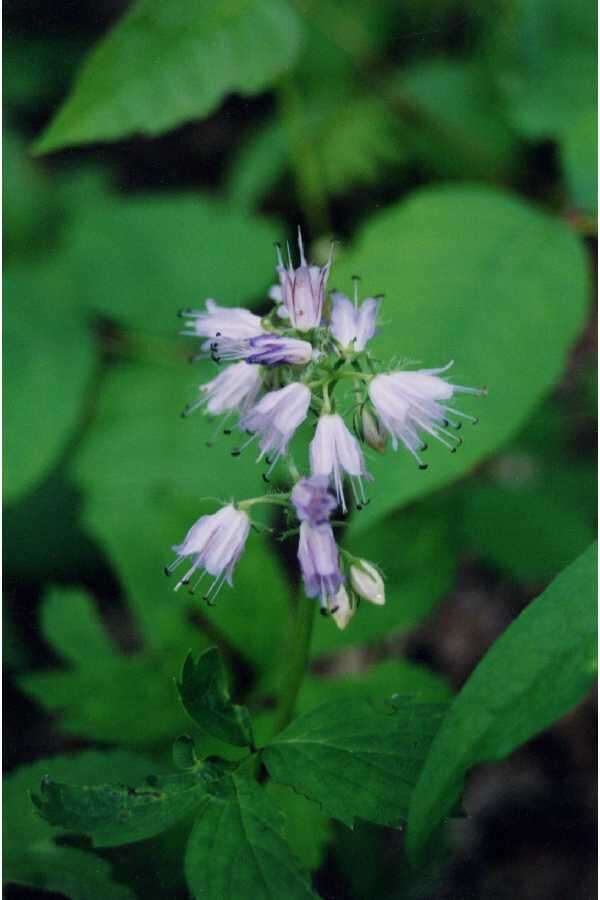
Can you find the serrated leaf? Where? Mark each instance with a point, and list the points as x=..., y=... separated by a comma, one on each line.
x=31, y=856
x=306, y=829
x=205, y=696
x=237, y=849
x=356, y=759
x=536, y=672
x=113, y=814
x=461, y=286
x=163, y=65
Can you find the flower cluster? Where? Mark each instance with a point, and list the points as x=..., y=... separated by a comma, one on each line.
x=307, y=360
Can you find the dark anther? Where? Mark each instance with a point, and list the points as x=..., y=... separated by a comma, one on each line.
x=236, y=451
x=424, y=448
x=210, y=444
x=475, y=421
x=227, y=431
x=334, y=610
x=452, y=449
x=324, y=611
x=167, y=571
x=265, y=478
x=358, y=507
x=210, y=601
x=423, y=466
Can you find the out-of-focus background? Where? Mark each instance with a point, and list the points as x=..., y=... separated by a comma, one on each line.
x=449, y=147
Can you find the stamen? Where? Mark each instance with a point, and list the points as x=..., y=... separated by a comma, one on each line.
x=300, y=248
x=168, y=570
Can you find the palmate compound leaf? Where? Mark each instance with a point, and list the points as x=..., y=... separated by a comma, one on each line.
x=536, y=672
x=113, y=814
x=31, y=855
x=204, y=694
x=356, y=759
x=237, y=848
x=470, y=275
x=164, y=64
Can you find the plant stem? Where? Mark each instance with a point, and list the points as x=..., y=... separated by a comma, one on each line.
x=298, y=658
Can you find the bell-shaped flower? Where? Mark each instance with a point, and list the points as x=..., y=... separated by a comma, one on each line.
x=353, y=325
x=312, y=500
x=319, y=562
x=301, y=290
x=276, y=417
x=367, y=582
x=235, y=323
x=334, y=451
x=265, y=350
x=214, y=544
x=235, y=388
x=409, y=402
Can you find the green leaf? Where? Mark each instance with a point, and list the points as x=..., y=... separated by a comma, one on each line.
x=536, y=672
x=71, y=623
x=306, y=829
x=48, y=365
x=473, y=275
x=355, y=759
x=258, y=165
x=237, y=849
x=579, y=150
x=140, y=260
x=163, y=65
x=205, y=696
x=105, y=695
x=31, y=856
x=544, y=56
x=113, y=814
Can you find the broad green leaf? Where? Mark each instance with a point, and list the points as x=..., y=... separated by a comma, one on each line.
x=536, y=672
x=544, y=55
x=306, y=829
x=414, y=551
x=140, y=260
x=31, y=856
x=380, y=680
x=162, y=65
x=204, y=694
x=470, y=275
x=48, y=360
x=356, y=759
x=114, y=814
x=258, y=165
x=237, y=849
x=579, y=151
x=71, y=623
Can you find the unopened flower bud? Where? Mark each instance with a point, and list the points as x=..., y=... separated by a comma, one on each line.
x=367, y=582
x=341, y=608
x=373, y=435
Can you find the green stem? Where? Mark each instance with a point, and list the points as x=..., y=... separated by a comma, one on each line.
x=298, y=659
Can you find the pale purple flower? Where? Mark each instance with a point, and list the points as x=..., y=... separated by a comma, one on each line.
x=408, y=401
x=214, y=543
x=264, y=349
x=335, y=451
x=353, y=325
x=235, y=388
x=235, y=323
x=276, y=417
x=312, y=500
x=319, y=562
x=301, y=291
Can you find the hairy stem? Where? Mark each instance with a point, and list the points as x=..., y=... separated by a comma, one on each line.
x=297, y=663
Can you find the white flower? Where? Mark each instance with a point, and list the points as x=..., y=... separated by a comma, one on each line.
x=408, y=401
x=301, y=290
x=341, y=608
x=334, y=451
x=276, y=417
x=265, y=349
x=235, y=388
x=319, y=562
x=214, y=543
x=353, y=325
x=367, y=582
x=235, y=323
